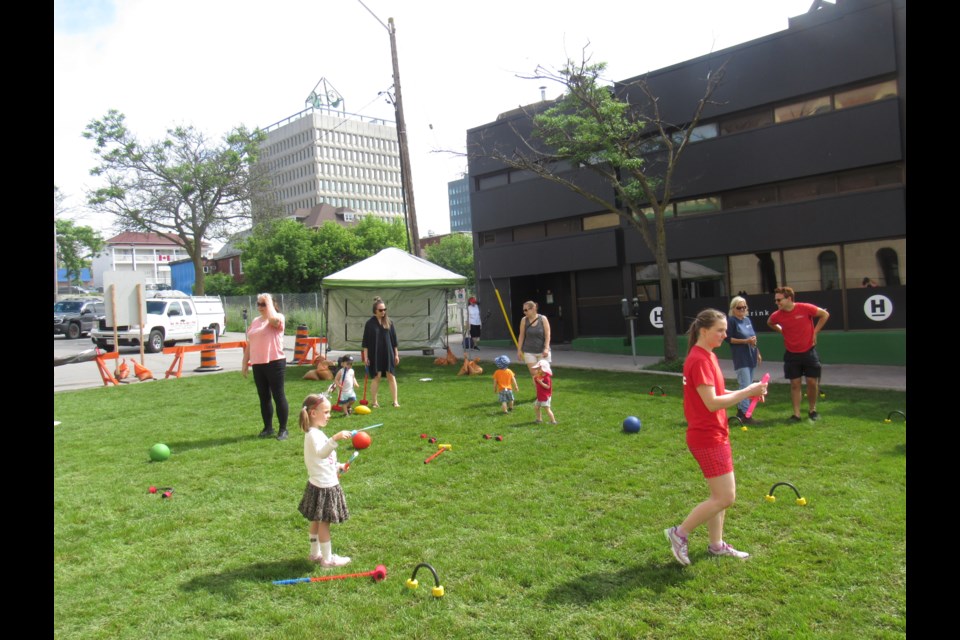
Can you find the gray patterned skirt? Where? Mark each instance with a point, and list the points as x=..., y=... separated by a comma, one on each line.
x=324, y=505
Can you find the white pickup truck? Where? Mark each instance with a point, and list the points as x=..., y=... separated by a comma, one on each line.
x=170, y=319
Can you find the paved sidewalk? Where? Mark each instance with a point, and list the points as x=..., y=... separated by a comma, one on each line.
x=85, y=375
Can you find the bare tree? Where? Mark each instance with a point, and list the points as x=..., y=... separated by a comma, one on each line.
x=594, y=126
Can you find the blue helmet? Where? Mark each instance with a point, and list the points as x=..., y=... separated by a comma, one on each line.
x=501, y=362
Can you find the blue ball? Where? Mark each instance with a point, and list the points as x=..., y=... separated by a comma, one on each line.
x=631, y=424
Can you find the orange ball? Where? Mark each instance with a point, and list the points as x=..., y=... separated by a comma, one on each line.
x=361, y=440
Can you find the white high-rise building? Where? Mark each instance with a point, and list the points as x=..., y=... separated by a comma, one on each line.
x=345, y=160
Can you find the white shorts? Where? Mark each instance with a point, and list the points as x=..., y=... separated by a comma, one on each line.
x=534, y=358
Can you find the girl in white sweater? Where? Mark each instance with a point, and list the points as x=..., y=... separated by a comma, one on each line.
x=323, y=501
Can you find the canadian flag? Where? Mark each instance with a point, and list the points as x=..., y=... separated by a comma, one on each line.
x=163, y=258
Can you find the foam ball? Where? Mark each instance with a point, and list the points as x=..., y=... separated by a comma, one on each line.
x=361, y=410
x=631, y=424
x=361, y=440
x=159, y=452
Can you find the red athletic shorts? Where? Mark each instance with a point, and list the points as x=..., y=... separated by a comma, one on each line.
x=714, y=461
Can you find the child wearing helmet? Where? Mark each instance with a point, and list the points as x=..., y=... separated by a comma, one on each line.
x=504, y=383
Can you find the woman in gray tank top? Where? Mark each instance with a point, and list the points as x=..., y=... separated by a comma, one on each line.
x=533, y=343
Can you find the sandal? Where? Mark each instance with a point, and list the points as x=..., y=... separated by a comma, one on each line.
x=396, y=405
x=375, y=405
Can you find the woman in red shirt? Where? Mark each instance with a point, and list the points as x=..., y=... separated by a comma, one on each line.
x=708, y=436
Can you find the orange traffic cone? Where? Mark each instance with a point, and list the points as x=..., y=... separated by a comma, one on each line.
x=122, y=370
x=143, y=374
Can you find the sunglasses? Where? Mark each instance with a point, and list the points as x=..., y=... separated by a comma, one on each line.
x=741, y=308
x=384, y=309
x=261, y=304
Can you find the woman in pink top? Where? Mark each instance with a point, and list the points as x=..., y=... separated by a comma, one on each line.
x=264, y=351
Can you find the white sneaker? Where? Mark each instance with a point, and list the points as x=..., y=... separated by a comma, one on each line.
x=678, y=545
x=726, y=550
x=334, y=561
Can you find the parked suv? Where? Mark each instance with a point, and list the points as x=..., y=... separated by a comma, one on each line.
x=75, y=317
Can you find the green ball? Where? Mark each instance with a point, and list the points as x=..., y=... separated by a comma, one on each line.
x=159, y=452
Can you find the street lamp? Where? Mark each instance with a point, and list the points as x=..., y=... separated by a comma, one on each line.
x=405, y=174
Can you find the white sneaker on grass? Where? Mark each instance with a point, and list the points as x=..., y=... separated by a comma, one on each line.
x=334, y=561
x=678, y=545
x=726, y=550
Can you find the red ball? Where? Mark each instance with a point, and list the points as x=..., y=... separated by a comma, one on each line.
x=361, y=440
x=152, y=489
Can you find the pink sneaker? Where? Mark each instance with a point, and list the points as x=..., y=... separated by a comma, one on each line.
x=334, y=561
x=727, y=550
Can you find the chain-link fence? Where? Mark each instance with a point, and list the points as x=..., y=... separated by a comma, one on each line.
x=307, y=308
x=297, y=308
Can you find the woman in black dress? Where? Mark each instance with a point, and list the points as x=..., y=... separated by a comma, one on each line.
x=380, y=354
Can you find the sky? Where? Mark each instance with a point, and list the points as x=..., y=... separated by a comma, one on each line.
x=217, y=64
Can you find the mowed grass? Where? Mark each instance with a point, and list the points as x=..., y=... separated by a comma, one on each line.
x=555, y=532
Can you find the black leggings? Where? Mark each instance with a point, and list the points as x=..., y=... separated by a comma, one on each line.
x=269, y=379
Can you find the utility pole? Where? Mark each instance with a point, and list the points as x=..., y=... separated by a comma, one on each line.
x=406, y=176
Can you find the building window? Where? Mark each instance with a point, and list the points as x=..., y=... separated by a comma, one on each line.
x=703, y=278
x=752, y=197
x=811, y=107
x=519, y=175
x=565, y=227
x=647, y=282
x=696, y=206
x=863, y=95
x=829, y=270
x=601, y=221
x=889, y=266
x=489, y=182
x=529, y=232
x=768, y=272
x=807, y=188
x=746, y=121
x=869, y=178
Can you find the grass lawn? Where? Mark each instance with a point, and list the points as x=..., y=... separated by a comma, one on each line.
x=555, y=532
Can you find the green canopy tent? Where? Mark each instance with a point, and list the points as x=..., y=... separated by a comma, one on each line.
x=415, y=292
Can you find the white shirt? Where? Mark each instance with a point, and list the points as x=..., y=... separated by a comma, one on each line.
x=320, y=456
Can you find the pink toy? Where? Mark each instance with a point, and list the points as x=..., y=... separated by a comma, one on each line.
x=753, y=400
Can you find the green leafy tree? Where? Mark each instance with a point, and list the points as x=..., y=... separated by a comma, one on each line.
x=455, y=252
x=283, y=255
x=185, y=186
x=595, y=126
x=223, y=284
x=279, y=256
x=76, y=245
x=374, y=234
